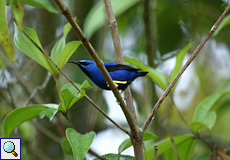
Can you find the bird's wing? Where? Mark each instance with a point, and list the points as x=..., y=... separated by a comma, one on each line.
x=114, y=67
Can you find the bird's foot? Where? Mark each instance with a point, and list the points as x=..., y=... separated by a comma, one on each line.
x=120, y=102
x=117, y=83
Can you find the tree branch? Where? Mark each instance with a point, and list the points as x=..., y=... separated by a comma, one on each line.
x=99, y=64
x=194, y=54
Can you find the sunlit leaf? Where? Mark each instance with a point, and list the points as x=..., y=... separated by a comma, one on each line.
x=157, y=77
x=115, y=157
x=42, y=4
x=4, y=35
x=49, y=112
x=67, y=52
x=29, y=48
x=179, y=60
x=85, y=85
x=20, y=115
x=18, y=13
x=97, y=15
x=66, y=146
x=166, y=144
x=79, y=143
x=57, y=49
x=210, y=120
x=127, y=143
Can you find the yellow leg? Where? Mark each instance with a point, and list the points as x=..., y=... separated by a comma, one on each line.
x=122, y=97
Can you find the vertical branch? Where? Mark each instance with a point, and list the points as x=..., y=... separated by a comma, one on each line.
x=118, y=53
x=136, y=135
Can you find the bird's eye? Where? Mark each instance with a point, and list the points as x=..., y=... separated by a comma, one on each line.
x=84, y=63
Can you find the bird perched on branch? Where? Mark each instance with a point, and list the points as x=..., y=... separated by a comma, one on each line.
x=122, y=75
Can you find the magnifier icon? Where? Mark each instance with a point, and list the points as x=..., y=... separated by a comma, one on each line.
x=9, y=147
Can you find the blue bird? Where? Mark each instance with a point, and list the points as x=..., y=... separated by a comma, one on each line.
x=122, y=75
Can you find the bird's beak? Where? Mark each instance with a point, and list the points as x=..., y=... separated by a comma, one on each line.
x=76, y=62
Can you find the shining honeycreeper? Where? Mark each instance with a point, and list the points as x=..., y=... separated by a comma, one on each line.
x=122, y=75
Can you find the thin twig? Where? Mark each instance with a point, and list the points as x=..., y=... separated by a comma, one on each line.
x=174, y=148
x=99, y=64
x=155, y=152
x=37, y=89
x=194, y=54
x=97, y=155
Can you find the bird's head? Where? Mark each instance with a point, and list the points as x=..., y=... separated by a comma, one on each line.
x=87, y=66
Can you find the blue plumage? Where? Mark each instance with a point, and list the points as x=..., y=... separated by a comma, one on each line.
x=122, y=75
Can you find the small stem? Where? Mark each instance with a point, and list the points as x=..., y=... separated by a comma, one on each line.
x=155, y=152
x=192, y=57
x=67, y=118
x=174, y=148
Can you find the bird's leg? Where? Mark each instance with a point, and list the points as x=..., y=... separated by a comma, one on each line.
x=122, y=97
x=117, y=84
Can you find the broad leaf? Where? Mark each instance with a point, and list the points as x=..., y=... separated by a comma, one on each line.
x=66, y=146
x=206, y=105
x=20, y=115
x=42, y=4
x=127, y=143
x=203, y=156
x=97, y=15
x=18, y=12
x=115, y=157
x=157, y=77
x=166, y=144
x=4, y=35
x=57, y=49
x=69, y=95
x=79, y=143
x=27, y=47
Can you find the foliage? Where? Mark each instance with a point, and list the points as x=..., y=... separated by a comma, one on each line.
x=177, y=140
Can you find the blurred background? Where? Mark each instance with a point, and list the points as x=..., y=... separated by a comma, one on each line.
x=151, y=31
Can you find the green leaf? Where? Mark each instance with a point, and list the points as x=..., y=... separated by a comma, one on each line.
x=195, y=126
x=66, y=146
x=179, y=60
x=57, y=49
x=4, y=34
x=85, y=85
x=115, y=157
x=20, y=115
x=157, y=77
x=206, y=105
x=27, y=47
x=97, y=15
x=203, y=156
x=166, y=144
x=18, y=12
x=49, y=112
x=79, y=143
x=42, y=4
x=67, y=52
x=69, y=95
x=127, y=143
x=223, y=23
x=67, y=28
x=184, y=150
x=210, y=120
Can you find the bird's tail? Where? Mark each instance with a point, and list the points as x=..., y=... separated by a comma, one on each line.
x=143, y=73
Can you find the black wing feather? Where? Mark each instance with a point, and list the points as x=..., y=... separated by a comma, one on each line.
x=120, y=67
